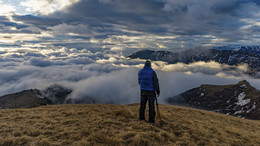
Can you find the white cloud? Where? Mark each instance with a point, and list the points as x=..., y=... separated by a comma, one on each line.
x=46, y=6
x=93, y=40
x=117, y=48
x=110, y=60
x=207, y=68
x=6, y=9
x=104, y=82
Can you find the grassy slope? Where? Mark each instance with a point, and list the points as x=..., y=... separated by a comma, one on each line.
x=24, y=99
x=119, y=125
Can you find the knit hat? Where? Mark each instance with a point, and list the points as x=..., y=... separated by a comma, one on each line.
x=147, y=63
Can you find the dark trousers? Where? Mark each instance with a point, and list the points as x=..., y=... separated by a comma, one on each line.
x=150, y=97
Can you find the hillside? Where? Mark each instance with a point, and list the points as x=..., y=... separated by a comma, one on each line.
x=101, y=124
x=241, y=99
x=24, y=99
x=54, y=94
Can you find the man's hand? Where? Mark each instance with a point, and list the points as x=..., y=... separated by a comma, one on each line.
x=158, y=94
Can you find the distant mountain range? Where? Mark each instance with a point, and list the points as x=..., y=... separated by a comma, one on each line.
x=241, y=99
x=225, y=55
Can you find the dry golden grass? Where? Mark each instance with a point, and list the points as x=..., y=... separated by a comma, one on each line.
x=97, y=124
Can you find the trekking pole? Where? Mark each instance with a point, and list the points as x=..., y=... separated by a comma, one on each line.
x=158, y=109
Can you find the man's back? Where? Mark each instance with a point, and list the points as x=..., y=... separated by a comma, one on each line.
x=149, y=86
x=145, y=77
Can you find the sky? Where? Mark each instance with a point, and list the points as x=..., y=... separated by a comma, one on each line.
x=82, y=44
x=129, y=25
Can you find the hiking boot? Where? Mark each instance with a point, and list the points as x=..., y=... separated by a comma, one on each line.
x=141, y=119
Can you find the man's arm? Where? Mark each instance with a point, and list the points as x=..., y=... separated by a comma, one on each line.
x=156, y=83
x=138, y=79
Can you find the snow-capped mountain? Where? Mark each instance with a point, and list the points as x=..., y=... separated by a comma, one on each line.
x=241, y=99
x=225, y=56
x=250, y=49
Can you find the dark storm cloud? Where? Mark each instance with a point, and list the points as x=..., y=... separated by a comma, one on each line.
x=127, y=13
x=5, y=25
x=151, y=16
x=40, y=21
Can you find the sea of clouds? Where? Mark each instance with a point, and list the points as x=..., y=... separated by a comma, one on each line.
x=107, y=76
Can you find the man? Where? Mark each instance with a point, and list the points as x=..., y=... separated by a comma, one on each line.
x=149, y=86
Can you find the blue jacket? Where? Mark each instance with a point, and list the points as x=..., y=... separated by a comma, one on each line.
x=148, y=80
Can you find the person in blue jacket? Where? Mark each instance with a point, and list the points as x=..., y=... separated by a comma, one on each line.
x=149, y=85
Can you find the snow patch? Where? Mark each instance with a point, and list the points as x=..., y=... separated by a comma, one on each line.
x=243, y=86
x=221, y=90
x=228, y=101
x=237, y=112
x=215, y=56
x=202, y=94
x=241, y=101
x=253, y=107
x=235, y=93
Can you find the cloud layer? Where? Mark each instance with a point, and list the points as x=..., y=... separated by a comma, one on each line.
x=107, y=77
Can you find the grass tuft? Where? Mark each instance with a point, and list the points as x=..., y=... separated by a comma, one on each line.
x=124, y=112
x=44, y=142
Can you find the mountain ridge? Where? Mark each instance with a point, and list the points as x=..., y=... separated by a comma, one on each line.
x=223, y=56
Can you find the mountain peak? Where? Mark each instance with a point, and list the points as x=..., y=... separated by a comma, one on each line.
x=243, y=82
x=241, y=99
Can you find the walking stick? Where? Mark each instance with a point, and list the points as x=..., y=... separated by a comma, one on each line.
x=161, y=122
